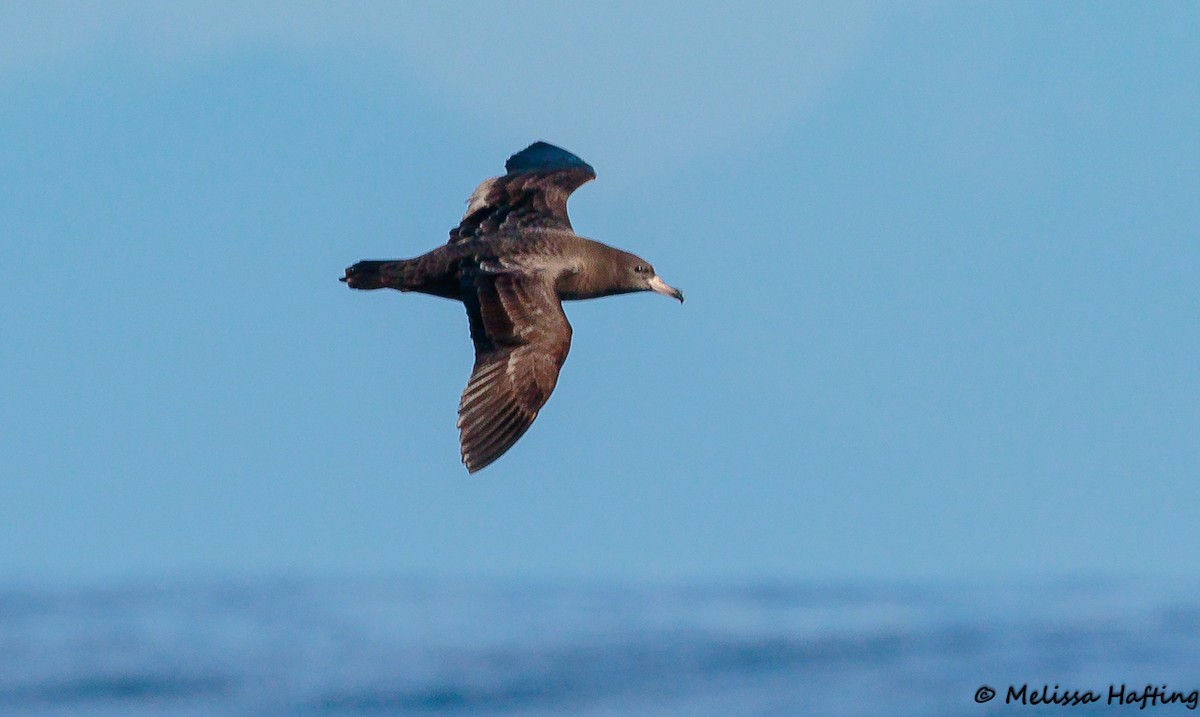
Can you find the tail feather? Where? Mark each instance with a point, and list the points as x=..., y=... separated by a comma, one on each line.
x=375, y=275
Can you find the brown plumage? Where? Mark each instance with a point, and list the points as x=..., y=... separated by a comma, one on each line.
x=512, y=261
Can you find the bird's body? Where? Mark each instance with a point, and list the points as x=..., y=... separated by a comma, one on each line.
x=512, y=260
x=560, y=256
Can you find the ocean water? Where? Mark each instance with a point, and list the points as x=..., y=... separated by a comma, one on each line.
x=424, y=647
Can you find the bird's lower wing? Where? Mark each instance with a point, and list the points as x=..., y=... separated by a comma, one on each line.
x=521, y=340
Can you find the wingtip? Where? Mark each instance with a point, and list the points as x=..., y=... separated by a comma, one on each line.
x=543, y=156
x=472, y=466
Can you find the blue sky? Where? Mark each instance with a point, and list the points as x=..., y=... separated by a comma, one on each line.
x=941, y=262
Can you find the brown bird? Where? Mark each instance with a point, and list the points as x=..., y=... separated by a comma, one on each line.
x=512, y=261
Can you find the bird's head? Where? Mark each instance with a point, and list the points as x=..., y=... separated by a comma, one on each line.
x=639, y=275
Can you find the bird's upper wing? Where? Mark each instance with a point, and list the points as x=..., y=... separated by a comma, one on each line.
x=521, y=340
x=533, y=193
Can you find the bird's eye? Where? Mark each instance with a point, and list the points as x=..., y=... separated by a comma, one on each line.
x=641, y=268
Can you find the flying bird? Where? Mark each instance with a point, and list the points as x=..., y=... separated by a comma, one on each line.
x=512, y=261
